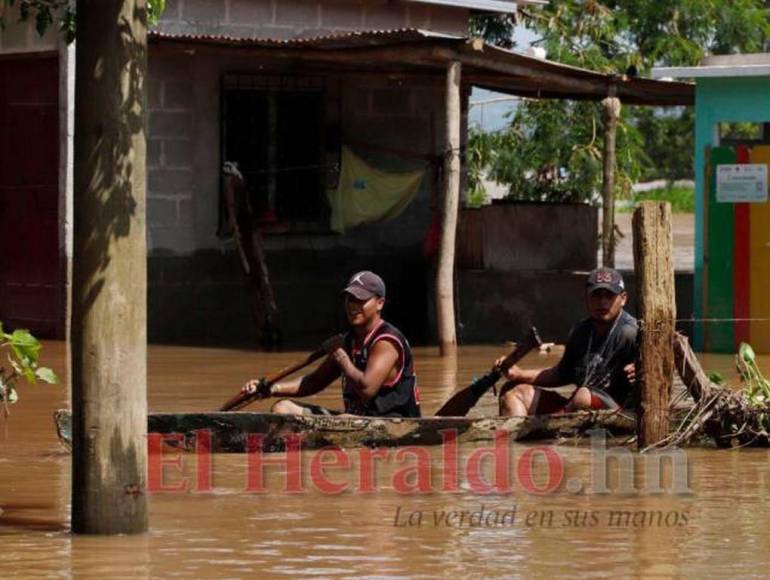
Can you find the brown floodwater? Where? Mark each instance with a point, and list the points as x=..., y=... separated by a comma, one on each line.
x=713, y=526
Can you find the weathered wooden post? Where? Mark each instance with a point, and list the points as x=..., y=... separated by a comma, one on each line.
x=611, y=115
x=445, y=309
x=109, y=294
x=656, y=299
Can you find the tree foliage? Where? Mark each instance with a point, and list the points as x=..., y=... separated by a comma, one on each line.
x=556, y=141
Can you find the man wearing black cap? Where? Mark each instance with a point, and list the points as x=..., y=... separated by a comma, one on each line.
x=598, y=359
x=374, y=362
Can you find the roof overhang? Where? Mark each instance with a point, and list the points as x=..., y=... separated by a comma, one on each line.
x=424, y=52
x=493, y=6
x=720, y=66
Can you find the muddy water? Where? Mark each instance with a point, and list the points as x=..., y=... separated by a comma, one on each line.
x=716, y=529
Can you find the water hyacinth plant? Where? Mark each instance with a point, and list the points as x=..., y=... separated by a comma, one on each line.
x=22, y=351
x=756, y=385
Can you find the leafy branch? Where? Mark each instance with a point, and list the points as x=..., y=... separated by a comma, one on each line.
x=22, y=351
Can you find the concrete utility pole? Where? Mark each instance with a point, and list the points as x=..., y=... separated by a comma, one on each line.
x=654, y=266
x=445, y=308
x=611, y=108
x=109, y=293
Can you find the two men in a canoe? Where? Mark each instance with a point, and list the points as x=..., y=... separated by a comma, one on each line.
x=598, y=359
x=374, y=362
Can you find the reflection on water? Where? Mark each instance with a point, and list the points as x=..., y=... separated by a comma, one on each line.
x=715, y=530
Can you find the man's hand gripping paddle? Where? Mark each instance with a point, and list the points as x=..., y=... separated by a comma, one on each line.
x=463, y=401
x=263, y=391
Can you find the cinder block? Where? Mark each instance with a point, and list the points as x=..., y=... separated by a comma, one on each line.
x=449, y=20
x=177, y=95
x=396, y=102
x=418, y=16
x=254, y=12
x=385, y=15
x=186, y=213
x=154, y=93
x=171, y=124
x=154, y=153
x=203, y=10
x=170, y=181
x=338, y=14
x=161, y=212
x=178, y=153
x=299, y=13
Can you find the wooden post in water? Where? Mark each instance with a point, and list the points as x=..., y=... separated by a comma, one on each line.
x=654, y=267
x=445, y=309
x=611, y=107
x=109, y=291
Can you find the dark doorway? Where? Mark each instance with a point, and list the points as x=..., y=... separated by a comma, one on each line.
x=30, y=277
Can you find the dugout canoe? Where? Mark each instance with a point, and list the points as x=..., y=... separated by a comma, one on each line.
x=229, y=430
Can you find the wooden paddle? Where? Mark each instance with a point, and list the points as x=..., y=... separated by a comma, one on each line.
x=464, y=400
x=242, y=399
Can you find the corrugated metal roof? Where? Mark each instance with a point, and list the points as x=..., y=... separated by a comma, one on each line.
x=484, y=65
x=337, y=40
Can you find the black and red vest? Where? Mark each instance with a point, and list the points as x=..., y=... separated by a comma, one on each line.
x=396, y=398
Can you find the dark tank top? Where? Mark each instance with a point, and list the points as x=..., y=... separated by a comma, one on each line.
x=396, y=398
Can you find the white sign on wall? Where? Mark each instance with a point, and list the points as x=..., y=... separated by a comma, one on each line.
x=742, y=183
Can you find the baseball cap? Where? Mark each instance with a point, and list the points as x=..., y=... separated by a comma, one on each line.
x=365, y=284
x=607, y=278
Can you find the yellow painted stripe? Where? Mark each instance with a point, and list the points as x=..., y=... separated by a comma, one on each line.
x=759, y=243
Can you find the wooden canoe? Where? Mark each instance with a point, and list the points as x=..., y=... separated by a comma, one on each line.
x=230, y=430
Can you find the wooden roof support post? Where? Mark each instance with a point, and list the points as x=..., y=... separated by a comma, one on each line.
x=109, y=291
x=445, y=310
x=654, y=266
x=611, y=115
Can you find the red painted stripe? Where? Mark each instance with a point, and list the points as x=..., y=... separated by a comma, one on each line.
x=741, y=259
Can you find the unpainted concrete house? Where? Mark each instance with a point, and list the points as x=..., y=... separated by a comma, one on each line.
x=280, y=86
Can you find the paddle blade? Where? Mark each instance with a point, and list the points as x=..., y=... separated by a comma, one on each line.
x=464, y=400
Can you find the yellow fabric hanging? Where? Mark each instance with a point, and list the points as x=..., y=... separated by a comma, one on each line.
x=366, y=194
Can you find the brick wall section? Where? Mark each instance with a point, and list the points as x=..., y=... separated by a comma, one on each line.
x=282, y=19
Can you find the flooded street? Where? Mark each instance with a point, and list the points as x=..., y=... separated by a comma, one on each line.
x=717, y=529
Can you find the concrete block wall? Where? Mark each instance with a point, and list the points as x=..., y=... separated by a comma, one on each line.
x=183, y=150
x=284, y=19
x=170, y=156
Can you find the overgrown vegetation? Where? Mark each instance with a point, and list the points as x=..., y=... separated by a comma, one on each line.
x=682, y=199
x=22, y=351
x=550, y=150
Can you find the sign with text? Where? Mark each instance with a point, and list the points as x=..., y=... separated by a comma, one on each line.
x=742, y=183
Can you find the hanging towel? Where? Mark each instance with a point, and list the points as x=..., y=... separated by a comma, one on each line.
x=366, y=194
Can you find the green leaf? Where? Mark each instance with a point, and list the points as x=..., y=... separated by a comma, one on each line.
x=25, y=346
x=46, y=375
x=716, y=377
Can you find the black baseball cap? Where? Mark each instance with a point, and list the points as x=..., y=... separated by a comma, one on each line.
x=365, y=284
x=606, y=278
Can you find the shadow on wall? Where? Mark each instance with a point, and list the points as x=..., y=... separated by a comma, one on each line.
x=201, y=299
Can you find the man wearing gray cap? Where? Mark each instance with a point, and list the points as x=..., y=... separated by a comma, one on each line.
x=598, y=359
x=374, y=362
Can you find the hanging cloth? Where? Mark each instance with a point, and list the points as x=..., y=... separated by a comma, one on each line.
x=365, y=194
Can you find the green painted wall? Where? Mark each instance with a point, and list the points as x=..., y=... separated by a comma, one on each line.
x=719, y=100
